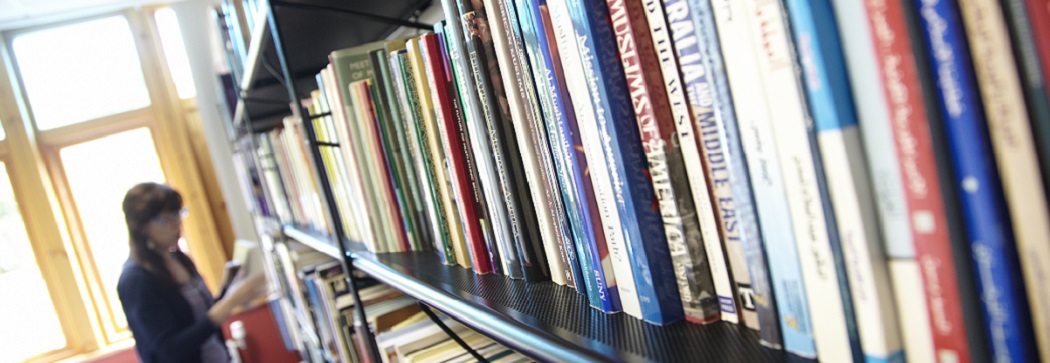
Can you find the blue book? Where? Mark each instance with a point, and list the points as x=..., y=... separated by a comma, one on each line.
x=642, y=226
x=994, y=254
x=835, y=120
x=768, y=204
x=569, y=167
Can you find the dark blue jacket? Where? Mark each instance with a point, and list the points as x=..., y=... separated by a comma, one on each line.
x=161, y=320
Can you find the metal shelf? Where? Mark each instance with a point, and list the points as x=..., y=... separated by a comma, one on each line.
x=311, y=30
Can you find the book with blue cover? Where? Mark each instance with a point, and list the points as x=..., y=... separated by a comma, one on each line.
x=555, y=113
x=643, y=229
x=838, y=139
x=992, y=248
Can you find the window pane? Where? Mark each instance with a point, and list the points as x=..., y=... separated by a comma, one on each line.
x=30, y=326
x=80, y=72
x=98, y=189
x=175, y=51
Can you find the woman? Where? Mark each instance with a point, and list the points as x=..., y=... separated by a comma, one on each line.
x=170, y=311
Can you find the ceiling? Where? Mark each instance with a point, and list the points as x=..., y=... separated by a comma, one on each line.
x=22, y=13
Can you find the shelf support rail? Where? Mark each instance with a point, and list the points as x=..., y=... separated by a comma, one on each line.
x=360, y=320
x=450, y=333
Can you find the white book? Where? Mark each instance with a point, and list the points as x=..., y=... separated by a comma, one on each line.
x=887, y=183
x=772, y=49
x=695, y=172
x=509, y=67
x=479, y=141
x=621, y=273
x=1015, y=154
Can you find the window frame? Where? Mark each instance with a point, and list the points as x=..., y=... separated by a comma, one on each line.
x=35, y=168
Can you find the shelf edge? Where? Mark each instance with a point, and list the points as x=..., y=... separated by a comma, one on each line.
x=525, y=339
x=312, y=241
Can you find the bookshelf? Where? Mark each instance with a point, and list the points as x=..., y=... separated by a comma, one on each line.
x=545, y=321
x=307, y=27
x=288, y=46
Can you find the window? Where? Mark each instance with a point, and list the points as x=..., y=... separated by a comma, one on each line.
x=97, y=190
x=30, y=326
x=175, y=52
x=102, y=116
x=79, y=72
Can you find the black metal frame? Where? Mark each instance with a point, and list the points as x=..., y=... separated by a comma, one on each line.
x=286, y=78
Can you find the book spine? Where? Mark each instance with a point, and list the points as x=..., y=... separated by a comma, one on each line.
x=1015, y=154
x=690, y=149
x=389, y=119
x=548, y=137
x=487, y=248
x=804, y=182
x=441, y=82
x=958, y=259
x=885, y=169
x=667, y=167
x=491, y=100
x=440, y=226
x=1039, y=13
x=395, y=134
x=381, y=161
x=746, y=118
x=436, y=99
x=628, y=169
x=486, y=184
x=517, y=192
x=994, y=257
x=436, y=159
x=565, y=132
x=601, y=258
x=1033, y=77
x=769, y=174
x=514, y=69
x=407, y=136
x=820, y=54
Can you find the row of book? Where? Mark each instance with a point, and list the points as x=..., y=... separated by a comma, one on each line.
x=318, y=304
x=856, y=180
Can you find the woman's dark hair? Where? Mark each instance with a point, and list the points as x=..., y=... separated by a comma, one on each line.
x=142, y=203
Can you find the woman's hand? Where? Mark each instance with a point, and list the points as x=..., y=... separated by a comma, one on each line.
x=237, y=295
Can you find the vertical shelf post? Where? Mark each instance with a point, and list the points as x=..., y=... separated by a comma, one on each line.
x=360, y=319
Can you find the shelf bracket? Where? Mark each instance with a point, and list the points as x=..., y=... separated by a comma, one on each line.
x=450, y=333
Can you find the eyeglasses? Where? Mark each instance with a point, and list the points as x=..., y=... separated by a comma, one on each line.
x=166, y=218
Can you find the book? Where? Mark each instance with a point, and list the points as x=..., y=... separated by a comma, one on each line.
x=440, y=82
x=994, y=256
x=433, y=153
x=1013, y=145
x=643, y=229
x=686, y=32
x=858, y=28
x=534, y=37
x=477, y=146
x=603, y=261
x=662, y=114
x=404, y=77
x=537, y=216
x=488, y=84
x=351, y=65
x=839, y=143
x=394, y=139
x=1022, y=24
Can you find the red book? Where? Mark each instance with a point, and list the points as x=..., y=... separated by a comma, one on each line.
x=1039, y=18
x=926, y=207
x=440, y=79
